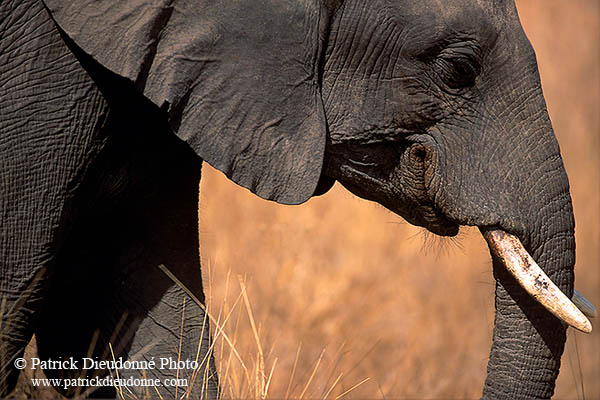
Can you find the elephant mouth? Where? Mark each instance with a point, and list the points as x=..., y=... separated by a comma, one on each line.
x=434, y=221
x=509, y=250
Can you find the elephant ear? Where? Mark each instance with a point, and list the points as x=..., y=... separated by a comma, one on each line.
x=238, y=78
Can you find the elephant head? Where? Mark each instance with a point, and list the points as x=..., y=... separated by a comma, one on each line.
x=432, y=109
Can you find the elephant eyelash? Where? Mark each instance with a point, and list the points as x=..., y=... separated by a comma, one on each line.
x=458, y=65
x=455, y=64
x=458, y=72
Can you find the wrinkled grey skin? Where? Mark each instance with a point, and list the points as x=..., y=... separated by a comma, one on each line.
x=433, y=109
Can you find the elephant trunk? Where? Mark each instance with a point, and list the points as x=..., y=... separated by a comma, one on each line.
x=528, y=340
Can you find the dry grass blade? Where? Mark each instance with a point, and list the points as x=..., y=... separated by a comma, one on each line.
x=89, y=354
x=158, y=393
x=181, y=344
x=287, y=392
x=230, y=374
x=338, y=357
x=198, y=349
x=352, y=388
x=260, y=367
x=210, y=351
x=313, y=374
x=212, y=319
x=270, y=377
x=117, y=387
x=224, y=307
x=113, y=336
x=333, y=386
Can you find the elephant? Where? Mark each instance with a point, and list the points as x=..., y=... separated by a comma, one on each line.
x=108, y=110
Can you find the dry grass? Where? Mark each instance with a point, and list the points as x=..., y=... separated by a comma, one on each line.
x=340, y=297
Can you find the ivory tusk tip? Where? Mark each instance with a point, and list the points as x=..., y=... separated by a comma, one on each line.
x=519, y=263
x=584, y=304
x=576, y=318
x=583, y=326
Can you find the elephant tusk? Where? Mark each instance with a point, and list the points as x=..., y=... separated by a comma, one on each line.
x=584, y=304
x=531, y=277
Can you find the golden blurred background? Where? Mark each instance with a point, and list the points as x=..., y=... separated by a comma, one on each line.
x=347, y=297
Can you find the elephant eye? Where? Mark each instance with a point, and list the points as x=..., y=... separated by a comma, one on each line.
x=458, y=67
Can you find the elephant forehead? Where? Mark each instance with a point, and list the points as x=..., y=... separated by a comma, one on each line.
x=443, y=17
x=451, y=9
